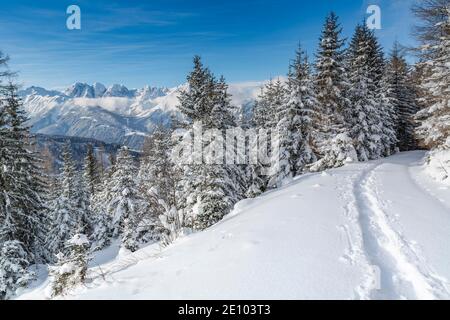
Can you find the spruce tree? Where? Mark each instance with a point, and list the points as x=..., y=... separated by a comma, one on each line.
x=208, y=190
x=22, y=199
x=266, y=115
x=65, y=214
x=102, y=220
x=22, y=192
x=126, y=204
x=404, y=98
x=91, y=171
x=364, y=114
x=331, y=85
x=14, y=272
x=434, y=129
x=302, y=104
x=158, y=179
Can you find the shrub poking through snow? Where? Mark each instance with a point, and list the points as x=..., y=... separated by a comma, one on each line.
x=71, y=269
x=172, y=222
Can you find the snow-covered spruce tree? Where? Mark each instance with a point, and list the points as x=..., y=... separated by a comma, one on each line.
x=91, y=173
x=157, y=170
x=101, y=216
x=280, y=124
x=302, y=104
x=386, y=103
x=220, y=185
x=270, y=102
x=22, y=194
x=383, y=129
x=404, y=99
x=65, y=215
x=434, y=119
x=363, y=114
x=433, y=88
x=71, y=268
x=101, y=220
x=431, y=25
x=331, y=85
x=224, y=116
x=159, y=180
x=82, y=196
x=207, y=186
x=14, y=273
x=256, y=180
x=126, y=204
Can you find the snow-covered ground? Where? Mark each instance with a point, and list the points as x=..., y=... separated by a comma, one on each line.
x=375, y=230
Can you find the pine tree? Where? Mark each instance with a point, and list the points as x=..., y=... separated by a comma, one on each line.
x=91, y=173
x=432, y=26
x=263, y=174
x=364, y=114
x=159, y=179
x=102, y=221
x=65, y=214
x=302, y=104
x=434, y=119
x=22, y=199
x=331, y=85
x=403, y=93
x=14, y=272
x=22, y=193
x=126, y=204
x=388, y=116
x=256, y=183
x=82, y=197
x=281, y=148
x=208, y=188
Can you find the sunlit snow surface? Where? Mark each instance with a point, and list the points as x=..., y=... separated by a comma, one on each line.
x=375, y=230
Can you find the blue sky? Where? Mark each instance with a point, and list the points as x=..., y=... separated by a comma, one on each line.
x=152, y=42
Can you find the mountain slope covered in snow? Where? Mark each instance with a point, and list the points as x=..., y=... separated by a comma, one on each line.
x=373, y=230
x=115, y=114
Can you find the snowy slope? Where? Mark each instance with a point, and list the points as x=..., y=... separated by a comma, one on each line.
x=372, y=230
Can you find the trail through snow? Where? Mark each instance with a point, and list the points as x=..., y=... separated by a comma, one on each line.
x=402, y=270
x=375, y=230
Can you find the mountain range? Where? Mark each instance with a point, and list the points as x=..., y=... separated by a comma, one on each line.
x=114, y=114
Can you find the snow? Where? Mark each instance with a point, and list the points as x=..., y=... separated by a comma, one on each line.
x=373, y=230
x=438, y=165
x=79, y=240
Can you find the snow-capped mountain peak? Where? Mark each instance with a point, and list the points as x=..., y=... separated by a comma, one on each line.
x=80, y=90
x=38, y=91
x=99, y=89
x=113, y=114
x=117, y=90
